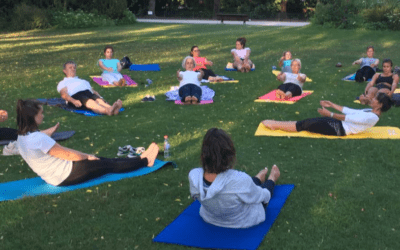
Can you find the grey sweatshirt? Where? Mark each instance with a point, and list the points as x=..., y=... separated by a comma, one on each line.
x=232, y=200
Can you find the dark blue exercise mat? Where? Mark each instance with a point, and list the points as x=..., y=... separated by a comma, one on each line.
x=15, y=190
x=144, y=67
x=58, y=102
x=189, y=229
x=57, y=136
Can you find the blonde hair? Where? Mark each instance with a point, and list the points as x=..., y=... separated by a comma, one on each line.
x=296, y=60
x=184, y=61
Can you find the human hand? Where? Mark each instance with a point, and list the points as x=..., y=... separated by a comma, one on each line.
x=326, y=104
x=282, y=59
x=77, y=103
x=324, y=112
x=373, y=65
x=92, y=158
x=210, y=63
x=55, y=127
x=3, y=115
x=110, y=69
x=178, y=73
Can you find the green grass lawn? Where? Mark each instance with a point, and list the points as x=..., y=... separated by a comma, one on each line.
x=361, y=175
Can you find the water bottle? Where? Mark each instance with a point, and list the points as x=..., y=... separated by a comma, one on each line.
x=148, y=82
x=166, y=146
x=274, y=67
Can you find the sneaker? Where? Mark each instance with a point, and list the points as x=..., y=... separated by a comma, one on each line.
x=123, y=150
x=136, y=152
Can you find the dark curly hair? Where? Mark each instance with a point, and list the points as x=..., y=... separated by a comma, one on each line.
x=218, y=153
x=385, y=100
x=242, y=41
x=108, y=47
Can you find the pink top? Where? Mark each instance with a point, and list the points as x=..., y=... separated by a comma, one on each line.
x=200, y=63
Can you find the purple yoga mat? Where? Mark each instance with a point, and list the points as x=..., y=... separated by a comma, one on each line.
x=99, y=81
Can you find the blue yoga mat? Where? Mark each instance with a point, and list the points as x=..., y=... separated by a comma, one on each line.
x=352, y=77
x=229, y=69
x=144, y=67
x=59, y=102
x=15, y=190
x=189, y=229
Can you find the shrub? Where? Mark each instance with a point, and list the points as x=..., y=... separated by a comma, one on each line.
x=339, y=14
x=80, y=19
x=29, y=17
x=128, y=18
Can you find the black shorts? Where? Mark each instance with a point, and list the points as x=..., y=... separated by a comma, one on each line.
x=291, y=87
x=382, y=86
x=207, y=73
x=322, y=125
x=83, y=97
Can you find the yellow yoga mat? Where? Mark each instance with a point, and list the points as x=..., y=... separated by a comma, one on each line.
x=229, y=65
x=276, y=72
x=229, y=81
x=372, y=133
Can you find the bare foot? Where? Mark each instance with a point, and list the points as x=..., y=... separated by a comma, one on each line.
x=195, y=100
x=151, y=154
x=219, y=79
x=261, y=175
x=288, y=95
x=117, y=83
x=54, y=128
x=188, y=100
x=275, y=173
x=113, y=108
x=123, y=81
x=116, y=111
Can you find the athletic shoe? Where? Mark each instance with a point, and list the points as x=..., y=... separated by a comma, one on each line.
x=136, y=152
x=123, y=150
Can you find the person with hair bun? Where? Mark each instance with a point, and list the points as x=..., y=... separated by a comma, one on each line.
x=61, y=166
x=292, y=81
x=229, y=198
x=189, y=86
x=351, y=121
x=241, y=55
x=201, y=65
x=367, y=65
x=385, y=82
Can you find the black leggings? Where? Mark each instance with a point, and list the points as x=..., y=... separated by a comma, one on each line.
x=8, y=134
x=268, y=184
x=190, y=90
x=207, y=73
x=365, y=72
x=321, y=125
x=86, y=170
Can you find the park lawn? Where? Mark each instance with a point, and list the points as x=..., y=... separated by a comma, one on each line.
x=347, y=191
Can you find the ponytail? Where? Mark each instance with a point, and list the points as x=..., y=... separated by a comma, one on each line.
x=26, y=112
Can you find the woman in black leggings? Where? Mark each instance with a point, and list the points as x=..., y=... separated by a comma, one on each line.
x=61, y=166
x=351, y=121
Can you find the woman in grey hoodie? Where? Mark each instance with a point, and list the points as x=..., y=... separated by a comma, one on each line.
x=229, y=198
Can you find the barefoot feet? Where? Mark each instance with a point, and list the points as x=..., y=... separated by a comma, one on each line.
x=188, y=100
x=151, y=154
x=275, y=173
x=261, y=175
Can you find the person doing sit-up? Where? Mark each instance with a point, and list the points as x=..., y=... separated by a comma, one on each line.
x=61, y=166
x=385, y=82
x=189, y=86
x=78, y=93
x=367, y=65
x=292, y=82
x=351, y=121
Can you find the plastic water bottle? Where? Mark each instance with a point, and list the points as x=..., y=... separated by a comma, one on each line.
x=148, y=82
x=274, y=67
x=166, y=147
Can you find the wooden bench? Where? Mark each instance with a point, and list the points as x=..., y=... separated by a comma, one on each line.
x=233, y=17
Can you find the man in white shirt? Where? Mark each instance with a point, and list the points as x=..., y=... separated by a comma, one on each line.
x=78, y=93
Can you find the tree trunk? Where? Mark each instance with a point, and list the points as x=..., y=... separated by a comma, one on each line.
x=283, y=6
x=152, y=6
x=216, y=7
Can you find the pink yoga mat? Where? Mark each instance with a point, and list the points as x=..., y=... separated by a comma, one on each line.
x=99, y=81
x=271, y=96
x=201, y=102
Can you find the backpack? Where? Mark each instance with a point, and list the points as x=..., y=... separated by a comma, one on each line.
x=125, y=62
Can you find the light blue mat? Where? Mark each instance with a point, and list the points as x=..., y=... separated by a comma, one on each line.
x=15, y=190
x=144, y=67
x=352, y=77
x=189, y=229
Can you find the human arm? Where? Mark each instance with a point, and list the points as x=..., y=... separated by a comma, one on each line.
x=326, y=113
x=250, y=193
x=178, y=75
x=201, y=74
x=376, y=63
x=281, y=77
x=281, y=61
x=301, y=78
x=208, y=62
x=3, y=115
x=235, y=56
x=101, y=65
x=64, y=95
x=359, y=61
x=247, y=56
x=119, y=67
x=51, y=130
x=371, y=83
x=329, y=104
x=69, y=154
x=394, y=84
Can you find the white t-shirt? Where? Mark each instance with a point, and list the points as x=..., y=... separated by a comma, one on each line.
x=366, y=61
x=241, y=53
x=292, y=78
x=189, y=77
x=34, y=148
x=74, y=85
x=358, y=120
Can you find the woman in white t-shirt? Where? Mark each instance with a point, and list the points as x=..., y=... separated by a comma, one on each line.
x=61, y=166
x=351, y=121
x=292, y=82
x=189, y=86
x=241, y=55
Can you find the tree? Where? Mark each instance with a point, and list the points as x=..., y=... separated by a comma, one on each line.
x=217, y=4
x=152, y=6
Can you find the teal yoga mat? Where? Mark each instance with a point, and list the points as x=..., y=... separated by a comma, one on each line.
x=189, y=229
x=15, y=190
